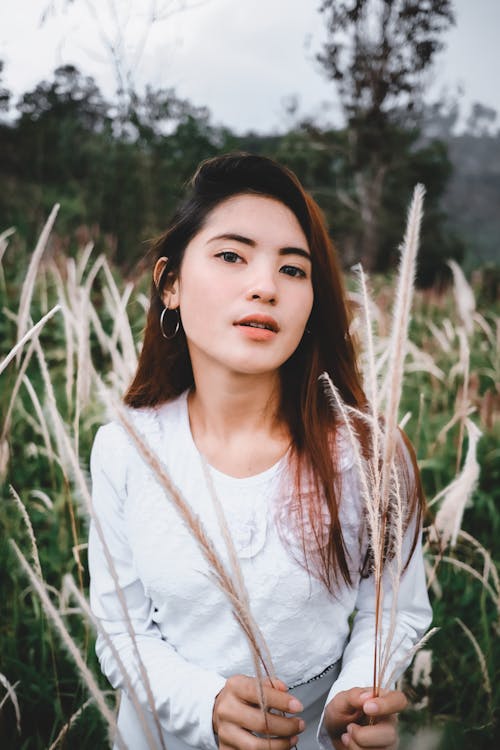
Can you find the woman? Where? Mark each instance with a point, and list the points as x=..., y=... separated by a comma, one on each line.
x=247, y=310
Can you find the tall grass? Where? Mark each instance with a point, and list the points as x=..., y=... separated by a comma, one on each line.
x=78, y=318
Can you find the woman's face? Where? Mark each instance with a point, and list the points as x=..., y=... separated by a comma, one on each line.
x=244, y=289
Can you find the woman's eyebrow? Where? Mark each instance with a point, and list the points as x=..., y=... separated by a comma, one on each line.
x=248, y=241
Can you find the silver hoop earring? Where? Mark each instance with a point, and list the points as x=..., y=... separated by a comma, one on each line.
x=177, y=323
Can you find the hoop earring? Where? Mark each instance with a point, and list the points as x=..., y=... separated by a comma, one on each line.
x=177, y=323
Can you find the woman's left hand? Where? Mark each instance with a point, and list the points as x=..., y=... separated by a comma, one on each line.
x=347, y=714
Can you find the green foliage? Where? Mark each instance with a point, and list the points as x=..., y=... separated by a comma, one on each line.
x=119, y=180
x=49, y=688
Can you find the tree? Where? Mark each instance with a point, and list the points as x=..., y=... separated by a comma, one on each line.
x=377, y=52
x=4, y=93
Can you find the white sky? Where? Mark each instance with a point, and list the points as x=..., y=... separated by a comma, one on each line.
x=241, y=58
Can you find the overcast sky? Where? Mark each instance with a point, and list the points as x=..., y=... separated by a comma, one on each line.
x=241, y=58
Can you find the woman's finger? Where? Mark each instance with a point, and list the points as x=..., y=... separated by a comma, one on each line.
x=390, y=703
x=382, y=735
x=236, y=737
x=246, y=689
x=255, y=720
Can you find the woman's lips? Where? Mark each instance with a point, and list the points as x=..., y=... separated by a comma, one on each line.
x=259, y=322
x=258, y=327
x=256, y=333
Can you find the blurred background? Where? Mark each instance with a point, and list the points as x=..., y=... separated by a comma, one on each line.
x=106, y=109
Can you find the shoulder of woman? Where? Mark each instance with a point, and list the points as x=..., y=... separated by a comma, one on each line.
x=114, y=443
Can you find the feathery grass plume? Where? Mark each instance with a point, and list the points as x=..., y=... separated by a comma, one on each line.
x=464, y=401
x=397, y=355
x=444, y=430
x=490, y=569
x=4, y=458
x=29, y=282
x=117, y=304
x=422, y=668
x=68, y=641
x=218, y=570
x=423, y=362
x=11, y=693
x=64, y=731
x=378, y=475
x=57, y=424
x=83, y=261
x=482, y=662
x=370, y=378
x=24, y=513
x=43, y=497
x=71, y=465
x=119, y=373
x=4, y=236
x=395, y=566
x=254, y=635
x=28, y=335
x=15, y=390
x=456, y=495
x=344, y=413
x=39, y=413
x=464, y=296
x=485, y=327
x=440, y=337
x=411, y=653
x=70, y=588
x=235, y=564
x=68, y=326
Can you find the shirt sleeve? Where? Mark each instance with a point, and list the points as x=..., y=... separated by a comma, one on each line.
x=413, y=617
x=183, y=693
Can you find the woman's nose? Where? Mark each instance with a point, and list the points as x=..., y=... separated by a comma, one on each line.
x=263, y=287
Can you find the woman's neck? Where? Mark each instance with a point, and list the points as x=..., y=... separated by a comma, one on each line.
x=235, y=405
x=235, y=423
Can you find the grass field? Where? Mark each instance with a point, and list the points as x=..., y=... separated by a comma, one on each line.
x=50, y=409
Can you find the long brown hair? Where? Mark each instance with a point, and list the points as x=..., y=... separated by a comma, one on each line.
x=164, y=370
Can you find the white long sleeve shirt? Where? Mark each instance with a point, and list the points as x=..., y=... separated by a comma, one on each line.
x=187, y=637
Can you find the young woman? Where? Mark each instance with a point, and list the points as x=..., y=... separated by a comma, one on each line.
x=247, y=311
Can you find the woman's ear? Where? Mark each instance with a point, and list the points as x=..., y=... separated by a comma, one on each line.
x=170, y=287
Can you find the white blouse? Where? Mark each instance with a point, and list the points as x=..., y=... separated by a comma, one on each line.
x=187, y=637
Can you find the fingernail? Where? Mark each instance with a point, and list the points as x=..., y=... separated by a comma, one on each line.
x=349, y=728
x=295, y=705
x=370, y=707
x=365, y=696
x=345, y=739
x=293, y=741
x=302, y=725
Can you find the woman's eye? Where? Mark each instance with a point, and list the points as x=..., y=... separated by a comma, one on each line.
x=293, y=271
x=229, y=256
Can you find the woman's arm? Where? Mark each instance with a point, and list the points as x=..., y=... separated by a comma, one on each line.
x=183, y=693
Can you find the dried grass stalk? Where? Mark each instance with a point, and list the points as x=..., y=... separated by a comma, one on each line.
x=67, y=640
x=64, y=731
x=464, y=297
x=456, y=495
x=70, y=461
x=69, y=587
x=11, y=693
x=29, y=282
x=218, y=570
x=31, y=533
x=481, y=659
x=28, y=335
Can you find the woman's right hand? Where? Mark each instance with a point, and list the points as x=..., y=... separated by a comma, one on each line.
x=237, y=714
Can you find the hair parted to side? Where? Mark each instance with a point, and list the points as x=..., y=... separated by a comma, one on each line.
x=164, y=370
